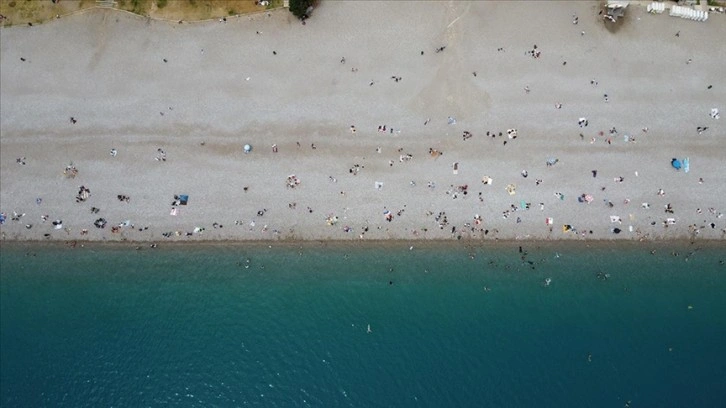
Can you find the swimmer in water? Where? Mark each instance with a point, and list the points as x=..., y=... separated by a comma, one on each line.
x=369, y=329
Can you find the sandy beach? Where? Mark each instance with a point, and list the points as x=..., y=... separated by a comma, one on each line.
x=581, y=122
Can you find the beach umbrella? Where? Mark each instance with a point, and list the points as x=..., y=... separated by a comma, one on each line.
x=248, y=148
x=676, y=163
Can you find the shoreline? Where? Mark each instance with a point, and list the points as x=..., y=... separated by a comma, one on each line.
x=372, y=244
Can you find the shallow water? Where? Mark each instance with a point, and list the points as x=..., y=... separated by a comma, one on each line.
x=288, y=326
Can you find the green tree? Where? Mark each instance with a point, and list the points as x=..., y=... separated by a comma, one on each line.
x=300, y=7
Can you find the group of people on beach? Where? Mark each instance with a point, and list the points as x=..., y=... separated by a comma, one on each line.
x=512, y=208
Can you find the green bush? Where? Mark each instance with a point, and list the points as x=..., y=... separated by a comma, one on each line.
x=299, y=7
x=136, y=6
x=161, y=3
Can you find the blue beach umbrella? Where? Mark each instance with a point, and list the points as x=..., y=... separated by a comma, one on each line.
x=676, y=163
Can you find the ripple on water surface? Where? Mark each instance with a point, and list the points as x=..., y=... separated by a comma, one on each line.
x=379, y=325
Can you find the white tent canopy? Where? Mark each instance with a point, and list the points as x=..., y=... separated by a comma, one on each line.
x=689, y=13
x=656, y=7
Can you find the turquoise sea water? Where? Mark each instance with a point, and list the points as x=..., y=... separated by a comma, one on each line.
x=451, y=326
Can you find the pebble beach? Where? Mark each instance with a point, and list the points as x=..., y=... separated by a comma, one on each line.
x=372, y=121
